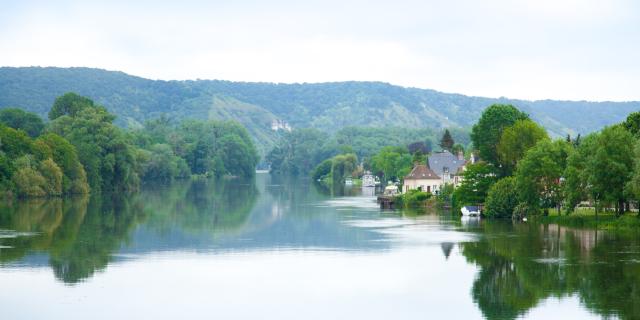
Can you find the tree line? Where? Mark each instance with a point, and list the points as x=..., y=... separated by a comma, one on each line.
x=523, y=171
x=80, y=149
x=386, y=151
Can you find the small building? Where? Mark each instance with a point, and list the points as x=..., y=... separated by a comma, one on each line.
x=422, y=178
x=278, y=124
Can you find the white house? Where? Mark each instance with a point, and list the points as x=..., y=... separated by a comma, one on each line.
x=422, y=178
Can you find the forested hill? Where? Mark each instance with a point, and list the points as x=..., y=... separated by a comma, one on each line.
x=327, y=106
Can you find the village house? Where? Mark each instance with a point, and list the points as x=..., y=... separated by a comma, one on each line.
x=441, y=168
x=447, y=166
x=422, y=178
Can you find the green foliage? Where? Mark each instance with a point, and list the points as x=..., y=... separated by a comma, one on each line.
x=446, y=192
x=69, y=104
x=342, y=166
x=53, y=177
x=446, y=142
x=297, y=152
x=502, y=199
x=63, y=153
x=322, y=170
x=477, y=179
x=301, y=150
x=325, y=106
x=632, y=123
x=392, y=162
x=539, y=174
x=195, y=147
x=413, y=199
x=516, y=140
x=47, y=166
x=457, y=148
x=487, y=132
x=602, y=168
x=159, y=162
x=104, y=150
x=19, y=119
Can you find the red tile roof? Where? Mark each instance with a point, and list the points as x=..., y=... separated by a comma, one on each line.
x=421, y=171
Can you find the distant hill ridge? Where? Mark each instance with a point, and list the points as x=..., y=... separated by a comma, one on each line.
x=326, y=106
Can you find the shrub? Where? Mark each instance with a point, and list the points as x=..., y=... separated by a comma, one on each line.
x=502, y=199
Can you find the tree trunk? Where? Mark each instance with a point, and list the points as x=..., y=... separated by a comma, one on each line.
x=620, y=207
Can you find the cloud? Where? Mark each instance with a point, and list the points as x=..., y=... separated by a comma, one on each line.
x=525, y=49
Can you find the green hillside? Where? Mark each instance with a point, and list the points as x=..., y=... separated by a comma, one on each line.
x=326, y=106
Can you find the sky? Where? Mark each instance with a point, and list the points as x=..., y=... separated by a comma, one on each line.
x=542, y=49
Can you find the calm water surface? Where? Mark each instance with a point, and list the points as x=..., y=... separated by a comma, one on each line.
x=280, y=248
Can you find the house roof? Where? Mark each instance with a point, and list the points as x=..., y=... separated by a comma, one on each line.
x=438, y=161
x=421, y=171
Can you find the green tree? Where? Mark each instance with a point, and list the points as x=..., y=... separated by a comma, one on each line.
x=576, y=187
x=477, y=179
x=486, y=134
x=63, y=153
x=632, y=123
x=297, y=152
x=502, y=198
x=516, y=140
x=392, y=162
x=104, y=150
x=602, y=168
x=69, y=104
x=53, y=177
x=446, y=142
x=29, y=122
x=539, y=174
x=342, y=166
x=322, y=170
x=28, y=181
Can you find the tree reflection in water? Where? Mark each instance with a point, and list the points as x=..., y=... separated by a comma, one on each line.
x=81, y=234
x=522, y=264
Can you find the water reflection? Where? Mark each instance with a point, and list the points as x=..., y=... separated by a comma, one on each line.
x=353, y=259
x=521, y=265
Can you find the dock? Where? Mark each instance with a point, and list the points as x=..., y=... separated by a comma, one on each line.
x=386, y=201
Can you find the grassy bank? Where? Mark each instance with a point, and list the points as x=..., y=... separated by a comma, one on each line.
x=586, y=218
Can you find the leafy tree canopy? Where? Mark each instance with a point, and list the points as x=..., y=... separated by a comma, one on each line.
x=486, y=133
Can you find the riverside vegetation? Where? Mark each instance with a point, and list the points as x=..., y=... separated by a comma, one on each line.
x=81, y=150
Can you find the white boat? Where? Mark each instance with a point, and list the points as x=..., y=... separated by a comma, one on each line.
x=470, y=211
x=368, y=180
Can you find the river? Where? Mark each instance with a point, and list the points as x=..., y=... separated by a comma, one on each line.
x=277, y=248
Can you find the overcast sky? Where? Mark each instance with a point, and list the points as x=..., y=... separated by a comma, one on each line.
x=557, y=49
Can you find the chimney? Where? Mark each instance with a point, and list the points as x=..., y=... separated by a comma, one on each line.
x=460, y=155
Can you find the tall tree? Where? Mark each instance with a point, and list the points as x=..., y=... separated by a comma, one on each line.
x=69, y=104
x=29, y=122
x=446, y=142
x=602, y=168
x=516, y=140
x=539, y=174
x=393, y=162
x=477, y=179
x=487, y=132
x=103, y=149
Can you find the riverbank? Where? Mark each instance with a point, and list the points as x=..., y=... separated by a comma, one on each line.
x=586, y=218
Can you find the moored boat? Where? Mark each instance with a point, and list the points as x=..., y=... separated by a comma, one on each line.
x=470, y=211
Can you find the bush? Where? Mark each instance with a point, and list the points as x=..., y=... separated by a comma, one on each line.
x=502, y=199
x=413, y=198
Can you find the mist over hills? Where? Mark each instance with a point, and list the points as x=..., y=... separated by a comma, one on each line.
x=326, y=106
